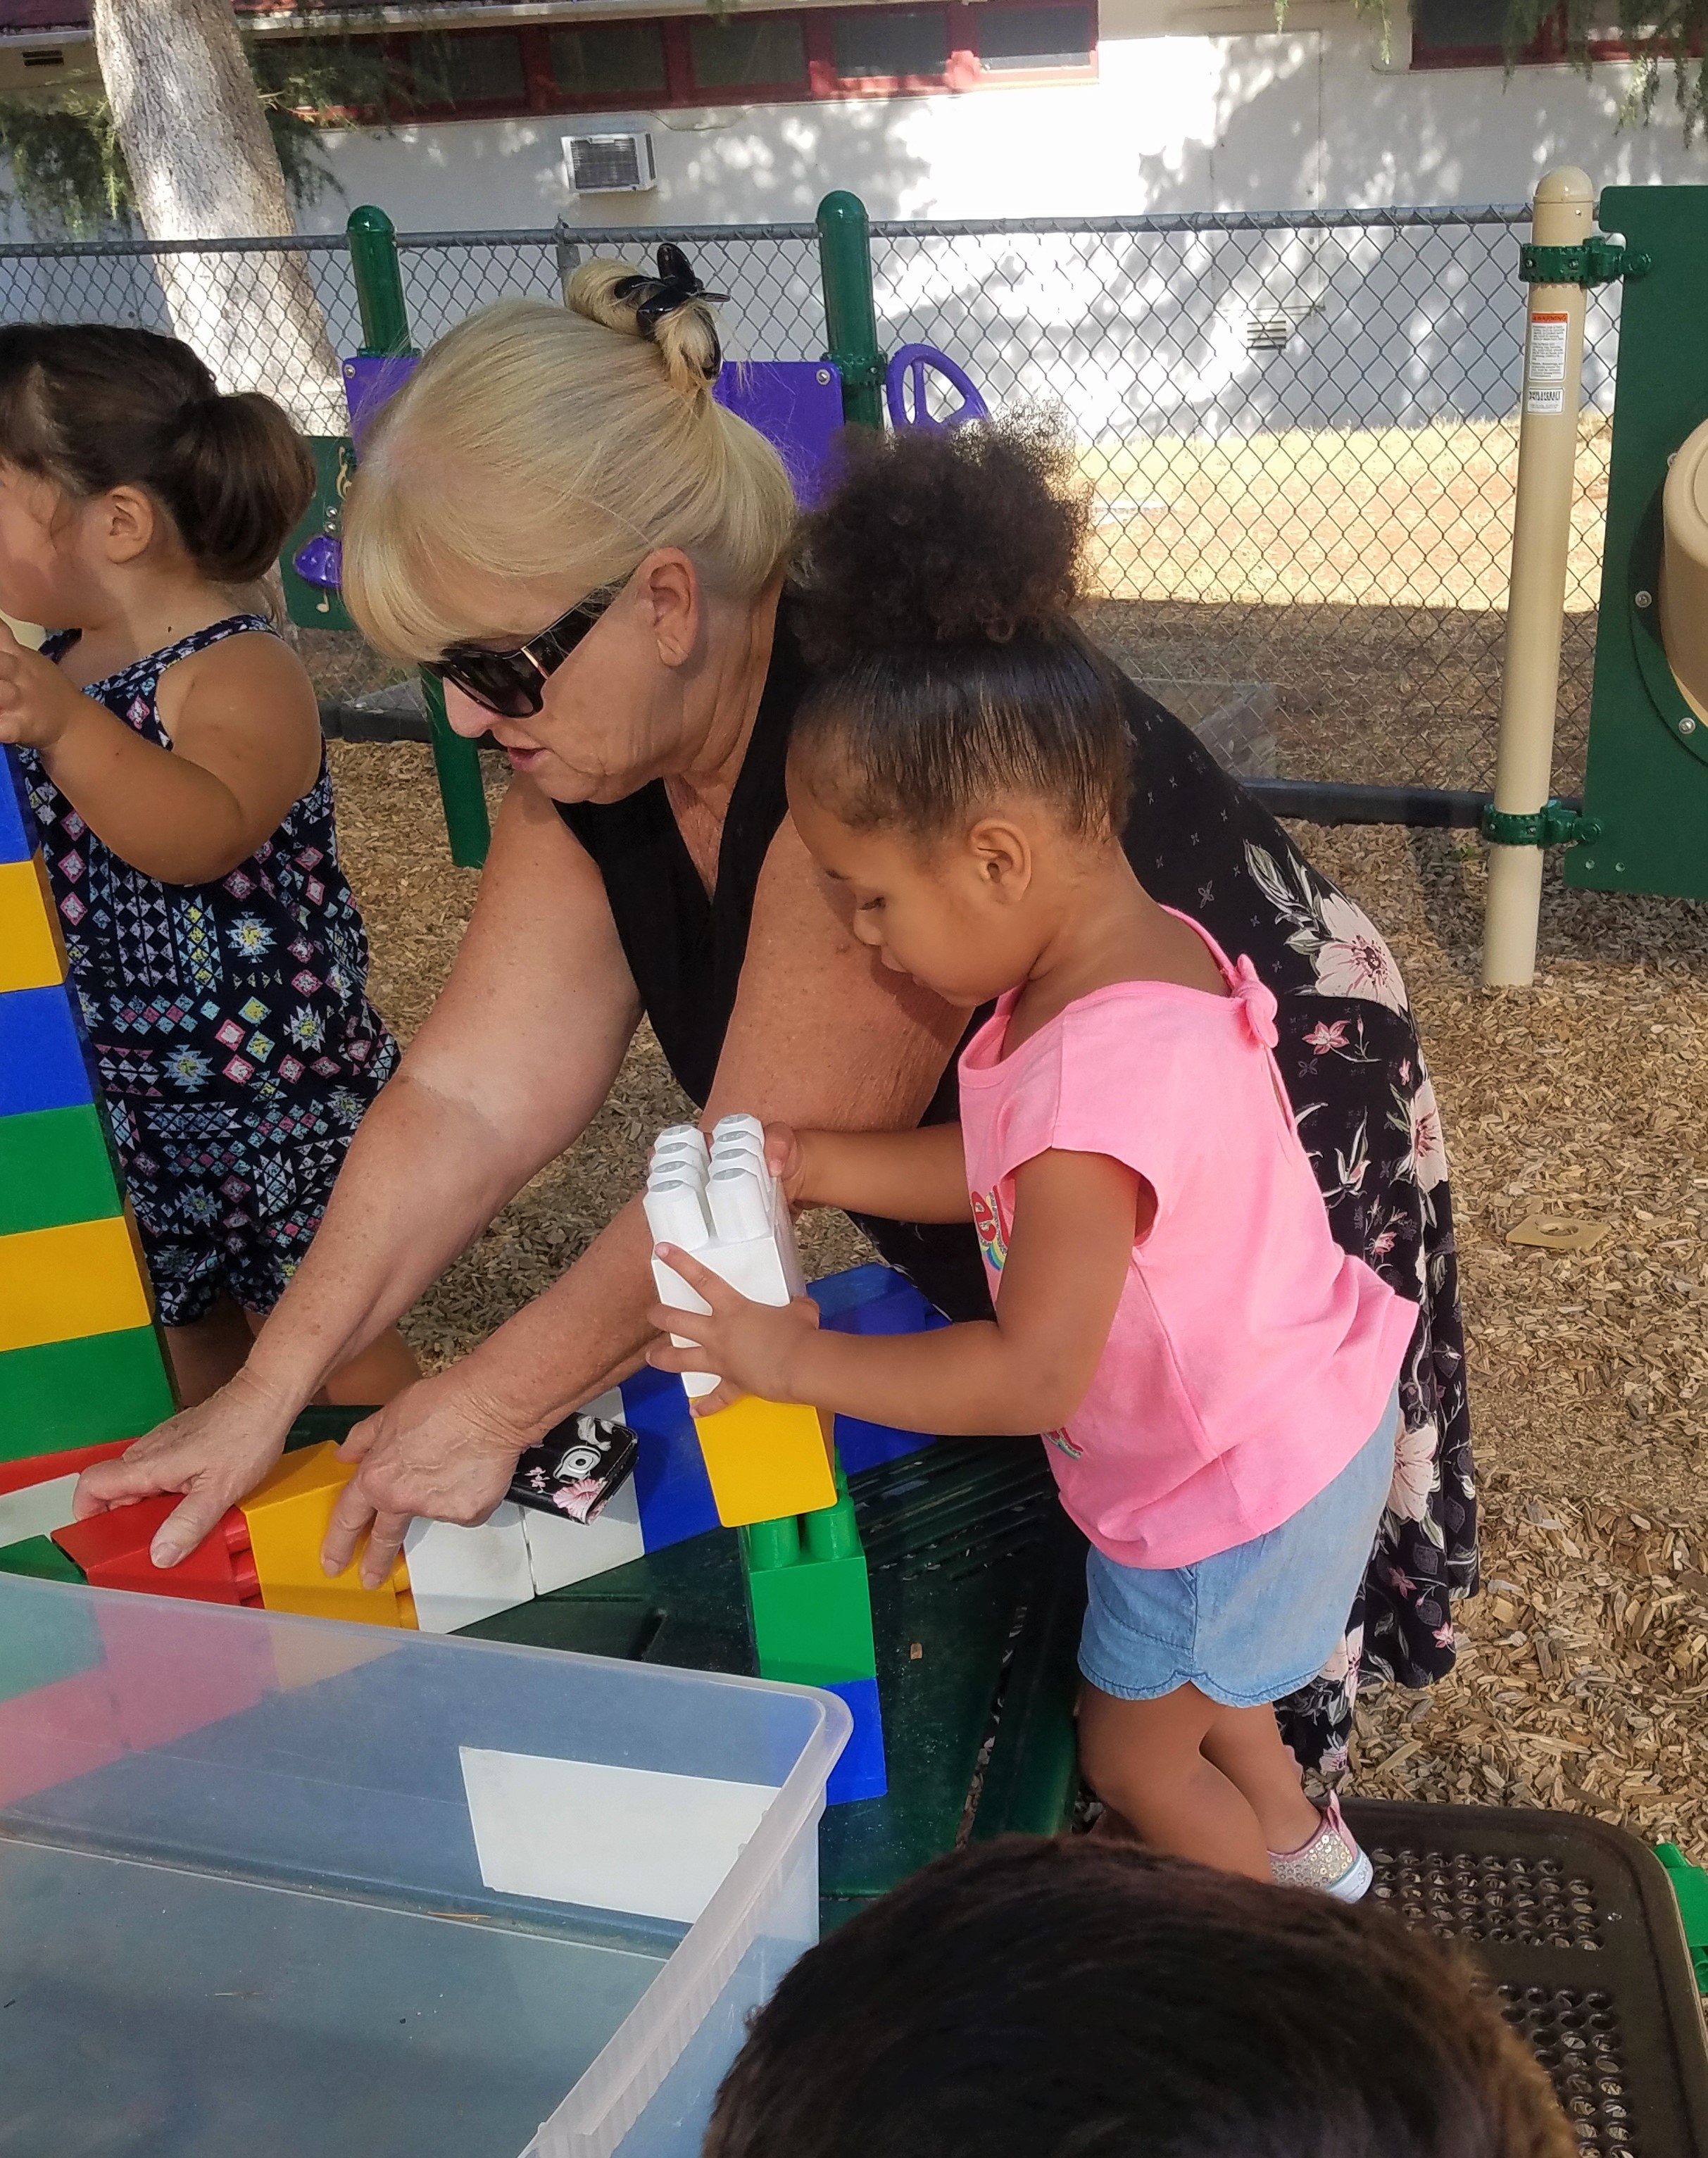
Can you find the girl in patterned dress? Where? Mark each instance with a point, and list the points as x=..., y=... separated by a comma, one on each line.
x=171, y=754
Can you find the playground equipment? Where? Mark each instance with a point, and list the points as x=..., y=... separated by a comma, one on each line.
x=798, y=405
x=1644, y=821
x=80, y=1362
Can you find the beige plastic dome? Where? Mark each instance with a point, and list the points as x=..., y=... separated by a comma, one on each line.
x=1684, y=570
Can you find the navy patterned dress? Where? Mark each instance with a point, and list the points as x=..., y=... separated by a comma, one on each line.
x=232, y=1032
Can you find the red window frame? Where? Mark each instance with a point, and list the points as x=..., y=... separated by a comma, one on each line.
x=1547, y=48
x=820, y=84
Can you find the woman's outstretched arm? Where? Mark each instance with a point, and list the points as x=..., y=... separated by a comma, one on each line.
x=515, y=1057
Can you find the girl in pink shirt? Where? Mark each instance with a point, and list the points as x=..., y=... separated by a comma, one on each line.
x=1217, y=1379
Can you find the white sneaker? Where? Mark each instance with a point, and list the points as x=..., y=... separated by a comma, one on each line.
x=1330, y=1860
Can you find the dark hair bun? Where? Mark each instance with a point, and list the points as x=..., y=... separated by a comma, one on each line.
x=972, y=536
x=94, y=406
x=236, y=475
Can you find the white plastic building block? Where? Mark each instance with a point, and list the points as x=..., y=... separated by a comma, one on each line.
x=36, y=1509
x=725, y=1207
x=560, y=1551
x=458, y=1574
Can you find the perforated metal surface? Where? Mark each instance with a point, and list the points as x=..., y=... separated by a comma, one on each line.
x=1576, y=1925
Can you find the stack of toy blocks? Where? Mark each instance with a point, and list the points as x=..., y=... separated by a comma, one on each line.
x=80, y=1361
x=811, y=1607
x=722, y=1205
x=772, y=1466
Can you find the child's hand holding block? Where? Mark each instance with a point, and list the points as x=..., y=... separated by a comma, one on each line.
x=764, y=1458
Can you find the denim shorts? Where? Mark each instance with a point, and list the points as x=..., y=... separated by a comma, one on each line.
x=1251, y=1624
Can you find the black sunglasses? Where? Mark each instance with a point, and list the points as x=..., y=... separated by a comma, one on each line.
x=513, y=684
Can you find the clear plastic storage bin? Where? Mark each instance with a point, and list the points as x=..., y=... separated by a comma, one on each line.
x=293, y=1889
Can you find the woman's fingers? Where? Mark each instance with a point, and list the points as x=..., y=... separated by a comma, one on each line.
x=384, y=1542
x=184, y=1528
x=352, y=1517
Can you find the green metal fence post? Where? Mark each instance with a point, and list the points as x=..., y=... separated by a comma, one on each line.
x=373, y=242
x=386, y=332
x=850, y=314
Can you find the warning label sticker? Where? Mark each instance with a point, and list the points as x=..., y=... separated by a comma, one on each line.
x=1545, y=364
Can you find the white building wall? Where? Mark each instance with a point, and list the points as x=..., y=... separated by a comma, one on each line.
x=1200, y=108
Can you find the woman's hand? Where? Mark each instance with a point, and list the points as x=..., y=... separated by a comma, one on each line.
x=754, y=1348
x=437, y=1449
x=215, y=1453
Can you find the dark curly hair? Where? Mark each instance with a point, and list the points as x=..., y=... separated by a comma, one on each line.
x=1030, y=1998
x=936, y=583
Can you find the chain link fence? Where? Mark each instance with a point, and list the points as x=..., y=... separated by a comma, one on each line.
x=1300, y=430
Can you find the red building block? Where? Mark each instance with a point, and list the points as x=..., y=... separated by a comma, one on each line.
x=112, y=1550
x=43, y=1468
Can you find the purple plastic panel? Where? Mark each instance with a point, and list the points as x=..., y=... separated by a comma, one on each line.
x=797, y=405
x=369, y=382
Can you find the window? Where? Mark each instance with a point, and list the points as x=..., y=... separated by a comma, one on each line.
x=480, y=67
x=1014, y=40
x=730, y=53
x=609, y=59
x=770, y=55
x=1449, y=34
x=893, y=44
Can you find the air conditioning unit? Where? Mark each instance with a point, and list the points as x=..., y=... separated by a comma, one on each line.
x=610, y=164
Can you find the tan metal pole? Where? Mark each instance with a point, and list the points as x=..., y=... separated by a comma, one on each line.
x=1547, y=455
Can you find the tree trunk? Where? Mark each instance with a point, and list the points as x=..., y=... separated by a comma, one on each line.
x=203, y=166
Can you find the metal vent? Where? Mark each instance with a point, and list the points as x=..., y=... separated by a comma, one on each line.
x=1268, y=333
x=610, y=164
x=1482, y=1896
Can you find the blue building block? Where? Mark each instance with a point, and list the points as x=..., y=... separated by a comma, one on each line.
x=859, y=1772
x=671, y=1488
x=42, y=1057
x=14, y=818
x=873, y=1299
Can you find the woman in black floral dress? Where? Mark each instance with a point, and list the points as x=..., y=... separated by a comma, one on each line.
x=644, y=864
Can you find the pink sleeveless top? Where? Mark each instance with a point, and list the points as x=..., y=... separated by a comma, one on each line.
x=1251, y=1356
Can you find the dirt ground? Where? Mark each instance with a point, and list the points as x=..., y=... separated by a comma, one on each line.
x=1584, y=1665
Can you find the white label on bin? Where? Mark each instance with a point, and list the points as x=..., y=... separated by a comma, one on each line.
x=1545, y=363
x=612, y=1838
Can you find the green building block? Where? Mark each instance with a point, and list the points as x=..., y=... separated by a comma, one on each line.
x=46, y=1639
x=808, y=1597
x=55, y=1168
x=1691, y=1886
x=82, y=1393
x=39, y=1558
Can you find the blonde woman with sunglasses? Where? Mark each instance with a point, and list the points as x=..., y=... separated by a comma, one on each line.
x=604, y=567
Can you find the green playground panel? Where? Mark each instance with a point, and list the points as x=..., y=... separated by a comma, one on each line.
x=79, y=1393
x=1690, y=1886
x=311, y=606
x=1646, y=777
x=55, y=1168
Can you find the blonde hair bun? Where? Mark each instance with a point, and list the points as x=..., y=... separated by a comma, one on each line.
x=671, y=310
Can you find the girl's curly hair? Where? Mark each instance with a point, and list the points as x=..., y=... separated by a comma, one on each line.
x=937, y=582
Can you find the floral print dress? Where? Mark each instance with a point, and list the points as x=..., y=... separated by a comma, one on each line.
x=230, y=1023
x=1365, y=1108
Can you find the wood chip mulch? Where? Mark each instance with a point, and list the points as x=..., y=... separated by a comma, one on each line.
x=1583, y=1675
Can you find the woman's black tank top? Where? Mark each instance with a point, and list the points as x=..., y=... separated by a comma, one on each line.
x=685, y=948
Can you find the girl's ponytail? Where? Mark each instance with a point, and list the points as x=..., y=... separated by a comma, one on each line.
x=90, y=407
x=235, y=476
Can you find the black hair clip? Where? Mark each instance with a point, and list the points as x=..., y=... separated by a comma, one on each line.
x=674, y=286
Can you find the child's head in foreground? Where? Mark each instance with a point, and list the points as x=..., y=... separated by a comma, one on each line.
x=1053, y=1999
x=962, y=762
x=118, y=453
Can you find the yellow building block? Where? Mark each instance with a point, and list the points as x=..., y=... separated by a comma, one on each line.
x=60, y=1284
x=767, y=1459
x=31, y=954
x=288, y=1514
